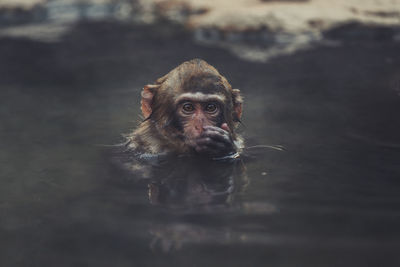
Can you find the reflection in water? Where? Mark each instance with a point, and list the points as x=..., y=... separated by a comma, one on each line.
x=190, y=182
x=169, y=237
x=189, y=185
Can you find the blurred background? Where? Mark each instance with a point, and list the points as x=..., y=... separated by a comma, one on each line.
x=321, y=79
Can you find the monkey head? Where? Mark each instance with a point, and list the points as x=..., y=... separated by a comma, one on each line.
x=192, y=109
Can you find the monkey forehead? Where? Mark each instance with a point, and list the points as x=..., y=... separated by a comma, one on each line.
x=192, y=77
x=200, y=97
x=204, y=81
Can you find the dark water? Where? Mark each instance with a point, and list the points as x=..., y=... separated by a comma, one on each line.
x=331, y=198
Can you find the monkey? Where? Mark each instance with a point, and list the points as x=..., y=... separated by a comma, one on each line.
x=187, y=149
x=192, y=110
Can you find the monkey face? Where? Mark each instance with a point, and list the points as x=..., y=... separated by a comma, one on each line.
x=202, y=122
x=192, y=108
x=195, y=116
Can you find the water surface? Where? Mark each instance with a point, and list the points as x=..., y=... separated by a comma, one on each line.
x=330, y=198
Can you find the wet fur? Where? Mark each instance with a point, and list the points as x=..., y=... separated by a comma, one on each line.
x=160, y=132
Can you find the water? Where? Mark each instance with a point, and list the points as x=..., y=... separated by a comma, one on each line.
x=330, y=198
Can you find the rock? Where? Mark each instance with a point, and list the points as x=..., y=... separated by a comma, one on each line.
x=255, y=30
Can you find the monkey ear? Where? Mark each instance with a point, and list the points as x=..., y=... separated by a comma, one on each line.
x=237, y=103
x=238, y=110
x=147, y=99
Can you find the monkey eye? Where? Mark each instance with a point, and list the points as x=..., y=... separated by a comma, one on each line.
x=211, y=108
x=188, y=107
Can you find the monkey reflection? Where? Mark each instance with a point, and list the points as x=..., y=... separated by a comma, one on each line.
x=189, y=186
x=189, y=182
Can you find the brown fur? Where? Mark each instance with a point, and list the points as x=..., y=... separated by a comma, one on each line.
x=158, y=133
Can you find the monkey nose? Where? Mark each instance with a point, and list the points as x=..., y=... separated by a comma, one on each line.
x=199, y=129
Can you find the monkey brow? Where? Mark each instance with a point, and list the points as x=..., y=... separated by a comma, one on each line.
x=200, y=97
